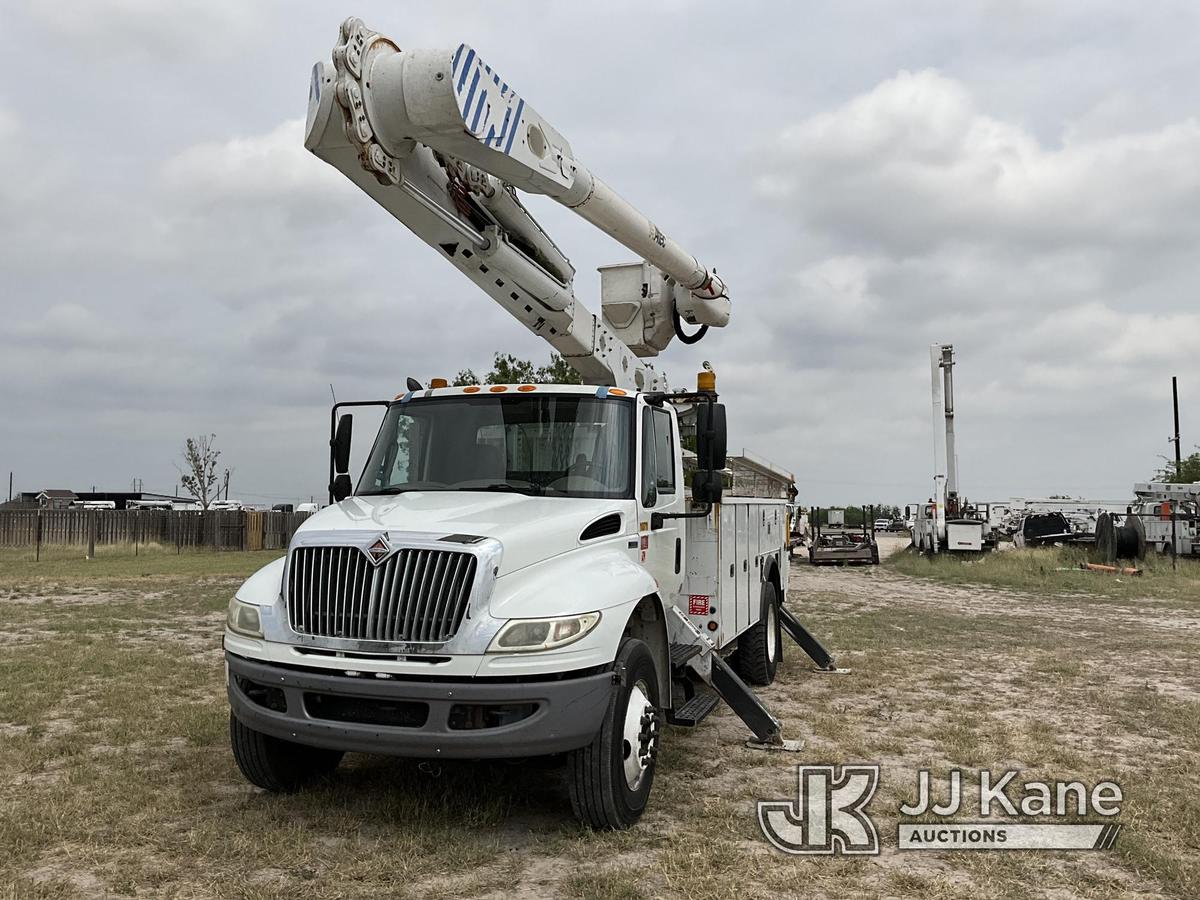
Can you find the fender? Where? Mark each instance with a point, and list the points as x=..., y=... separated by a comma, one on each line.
x=263, y=588
x=580, y=581
x=595, y=578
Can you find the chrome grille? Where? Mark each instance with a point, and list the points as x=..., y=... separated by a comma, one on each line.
x=412, y=596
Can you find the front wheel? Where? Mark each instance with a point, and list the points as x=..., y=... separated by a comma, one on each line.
x=277, y=765
x=609, y=780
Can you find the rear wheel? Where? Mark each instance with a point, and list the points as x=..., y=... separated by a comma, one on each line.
x=277, y=765
x=609, y=780
x=760, y=648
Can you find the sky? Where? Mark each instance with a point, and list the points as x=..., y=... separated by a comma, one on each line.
x=1019, y=179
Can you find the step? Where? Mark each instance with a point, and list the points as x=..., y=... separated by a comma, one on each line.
x=694, y=711
x=681, y=653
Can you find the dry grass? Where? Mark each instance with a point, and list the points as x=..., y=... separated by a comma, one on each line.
x=118, y=780
x=1051, y=570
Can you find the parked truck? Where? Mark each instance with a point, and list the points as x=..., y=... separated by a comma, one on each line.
x=521, y=569
x=947, y=522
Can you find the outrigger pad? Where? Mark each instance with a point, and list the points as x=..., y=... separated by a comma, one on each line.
x=832, y=670
x=781, y=746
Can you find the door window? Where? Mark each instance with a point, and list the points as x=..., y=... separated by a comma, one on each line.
x=658, y=456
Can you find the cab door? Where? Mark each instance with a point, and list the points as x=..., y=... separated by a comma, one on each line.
x=660, y=490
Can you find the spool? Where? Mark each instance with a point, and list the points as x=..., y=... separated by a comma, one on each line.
x=1115, y=540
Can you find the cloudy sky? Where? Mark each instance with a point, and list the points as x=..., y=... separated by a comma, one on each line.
x=1019, y=179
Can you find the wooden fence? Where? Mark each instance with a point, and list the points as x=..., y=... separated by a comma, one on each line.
x=214, y=530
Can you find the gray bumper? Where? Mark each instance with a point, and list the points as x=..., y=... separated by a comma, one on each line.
x=567, y=716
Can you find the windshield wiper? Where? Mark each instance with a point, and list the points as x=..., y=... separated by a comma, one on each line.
x=508, y=486
x=396, y=490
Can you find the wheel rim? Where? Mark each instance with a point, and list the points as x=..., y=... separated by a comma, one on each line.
x=639, y=744
x=772, y=632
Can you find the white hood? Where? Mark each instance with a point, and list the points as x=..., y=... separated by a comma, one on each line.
x=530, y=529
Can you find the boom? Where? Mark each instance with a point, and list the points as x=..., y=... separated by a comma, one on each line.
x=441, y=142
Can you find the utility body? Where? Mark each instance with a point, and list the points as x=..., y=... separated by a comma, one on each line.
x=521, y=570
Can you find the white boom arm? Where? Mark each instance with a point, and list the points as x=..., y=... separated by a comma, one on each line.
x=441, y=142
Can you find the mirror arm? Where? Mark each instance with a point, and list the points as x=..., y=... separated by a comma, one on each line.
x=657, y=519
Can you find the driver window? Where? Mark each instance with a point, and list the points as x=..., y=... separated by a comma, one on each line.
x=658, y=456
x=664, y=452
x=649, y=476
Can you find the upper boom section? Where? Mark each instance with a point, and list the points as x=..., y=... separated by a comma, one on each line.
x=441, y=141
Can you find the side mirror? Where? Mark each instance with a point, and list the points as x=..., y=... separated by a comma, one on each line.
x=341, y=487
x=707, y=486
x=711, y=436
x=341, y=445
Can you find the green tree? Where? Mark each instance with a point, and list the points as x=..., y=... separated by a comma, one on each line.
x=508, y=369
x=1189, y=470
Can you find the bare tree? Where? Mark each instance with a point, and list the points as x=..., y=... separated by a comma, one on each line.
x=200, y=475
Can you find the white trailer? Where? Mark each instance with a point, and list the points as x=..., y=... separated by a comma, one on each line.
x=520, y=570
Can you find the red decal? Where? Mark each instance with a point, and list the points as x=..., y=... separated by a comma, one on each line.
x=698, y=605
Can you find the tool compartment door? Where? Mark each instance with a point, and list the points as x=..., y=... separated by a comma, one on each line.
x=754, y=526
x=726, y=601
x=743, y=566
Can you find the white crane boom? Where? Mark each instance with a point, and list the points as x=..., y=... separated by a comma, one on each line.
x=441, y=142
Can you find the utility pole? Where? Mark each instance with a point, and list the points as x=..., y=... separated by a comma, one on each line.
x=1175, y=440
x=10, y=485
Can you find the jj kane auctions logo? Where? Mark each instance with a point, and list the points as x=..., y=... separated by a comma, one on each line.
x=829, y=814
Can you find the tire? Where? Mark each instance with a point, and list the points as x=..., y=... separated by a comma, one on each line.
x=760, y=648
x=609, y=780
x=277, y=765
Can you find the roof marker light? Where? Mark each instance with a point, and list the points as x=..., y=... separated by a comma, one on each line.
x=473, y=389
x=527, y=388
x=498, y=388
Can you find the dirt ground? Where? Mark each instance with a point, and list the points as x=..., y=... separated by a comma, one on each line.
x=117, y=780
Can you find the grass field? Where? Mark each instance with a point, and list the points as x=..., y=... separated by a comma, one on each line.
x=118, y=779
x=1053, y=570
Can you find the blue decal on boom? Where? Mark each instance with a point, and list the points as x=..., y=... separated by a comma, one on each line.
x=462, y=79
x=480, y=108
x=478, y=111
x=470, y=95
x=516, y=124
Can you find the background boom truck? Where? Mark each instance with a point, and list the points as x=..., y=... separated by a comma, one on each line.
x=947, y=522
x=521, y=570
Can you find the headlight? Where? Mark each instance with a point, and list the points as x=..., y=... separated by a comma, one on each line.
x=542, y=634
x=243, y=618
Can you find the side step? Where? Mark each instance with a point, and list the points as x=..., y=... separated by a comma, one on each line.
x=681, y=653
x=695, y=710
x=741, y=699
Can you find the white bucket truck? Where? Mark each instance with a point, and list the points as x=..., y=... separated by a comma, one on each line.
x=525, y=569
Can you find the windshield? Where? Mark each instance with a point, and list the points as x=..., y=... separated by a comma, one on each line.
x=558, y=445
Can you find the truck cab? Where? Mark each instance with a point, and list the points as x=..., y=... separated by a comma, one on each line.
x=498, y=583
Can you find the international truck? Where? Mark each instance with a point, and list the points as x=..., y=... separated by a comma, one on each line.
x=520, y=570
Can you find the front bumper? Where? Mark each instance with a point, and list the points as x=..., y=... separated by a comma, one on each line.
x=468, y=719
